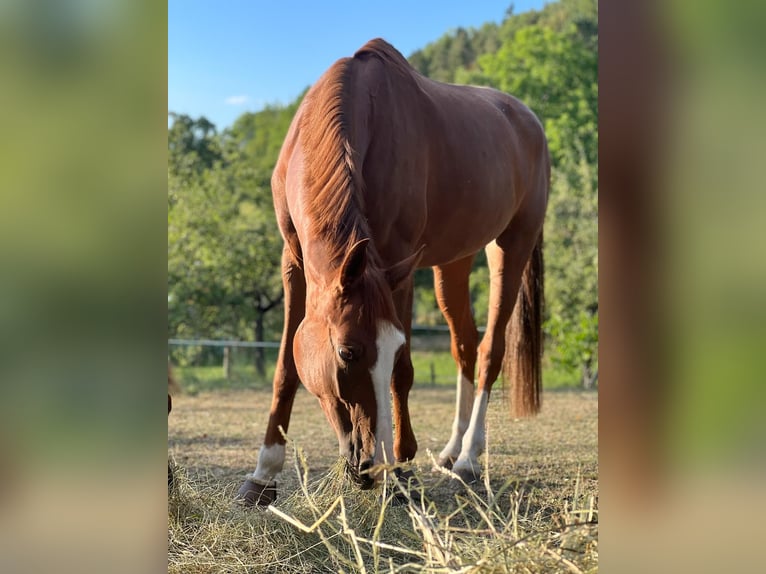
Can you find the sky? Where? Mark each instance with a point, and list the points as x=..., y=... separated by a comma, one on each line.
x=227, y=57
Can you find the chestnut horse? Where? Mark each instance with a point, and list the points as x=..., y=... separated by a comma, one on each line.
x=384, y=170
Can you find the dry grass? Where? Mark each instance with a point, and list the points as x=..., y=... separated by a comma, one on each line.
x=536, y=510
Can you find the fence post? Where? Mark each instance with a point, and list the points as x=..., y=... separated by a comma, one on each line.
x=227, y=362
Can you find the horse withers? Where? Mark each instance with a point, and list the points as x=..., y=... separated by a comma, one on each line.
x=384, y=170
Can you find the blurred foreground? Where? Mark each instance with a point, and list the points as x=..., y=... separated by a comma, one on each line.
x=681, y=290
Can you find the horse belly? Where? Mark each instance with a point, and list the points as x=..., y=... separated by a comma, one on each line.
x=477, y=195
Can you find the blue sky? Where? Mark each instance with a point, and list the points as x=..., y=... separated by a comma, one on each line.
x=226, y=57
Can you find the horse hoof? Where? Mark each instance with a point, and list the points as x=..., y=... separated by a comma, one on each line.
x=467, y=473
x=412, y=486
x=446, y=462
x=252, y=493
x=399, y=499
x=407, y=479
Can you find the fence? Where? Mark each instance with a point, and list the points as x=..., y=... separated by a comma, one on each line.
x=249, y=363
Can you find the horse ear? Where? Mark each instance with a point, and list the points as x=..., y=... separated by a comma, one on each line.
x=353, y=265
x=398, y=273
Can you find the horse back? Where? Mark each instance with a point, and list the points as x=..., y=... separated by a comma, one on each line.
x=431, y=158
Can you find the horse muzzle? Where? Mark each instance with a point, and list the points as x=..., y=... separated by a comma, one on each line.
x=360, y=473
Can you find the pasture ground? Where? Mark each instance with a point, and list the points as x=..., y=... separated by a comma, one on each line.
x=535, y=511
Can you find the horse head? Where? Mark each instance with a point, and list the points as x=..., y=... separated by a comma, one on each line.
x=345, y=351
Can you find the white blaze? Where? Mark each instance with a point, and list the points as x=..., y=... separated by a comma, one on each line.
x=389, y=340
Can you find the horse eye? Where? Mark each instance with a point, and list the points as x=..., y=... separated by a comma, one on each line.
x=347, y=353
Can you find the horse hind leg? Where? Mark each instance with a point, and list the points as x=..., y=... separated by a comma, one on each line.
x=507, y=257
x=452, y=294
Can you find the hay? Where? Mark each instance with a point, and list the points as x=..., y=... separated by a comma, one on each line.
x=329, y=525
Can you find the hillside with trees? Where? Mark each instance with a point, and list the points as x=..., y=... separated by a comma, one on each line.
x=223, y=243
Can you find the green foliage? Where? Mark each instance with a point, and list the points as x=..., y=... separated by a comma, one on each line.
x=259, y=135
x=224, y=247
x=571, y=251
x=192, y=146
x=576, y=344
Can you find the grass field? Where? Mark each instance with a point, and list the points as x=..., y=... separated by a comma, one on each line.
x=432, y=368
x=536, y=510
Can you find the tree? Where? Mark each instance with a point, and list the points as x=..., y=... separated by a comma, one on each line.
x=224, y=251
x=192, y=145
x=571, y=251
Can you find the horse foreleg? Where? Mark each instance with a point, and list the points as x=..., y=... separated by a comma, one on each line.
x=452, y=295
x=405, y=444
x=259, y=487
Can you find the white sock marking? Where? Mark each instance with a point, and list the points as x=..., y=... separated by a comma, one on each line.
x=270, y=461
x=463, y=405
x=473, y=441
x=389, y=340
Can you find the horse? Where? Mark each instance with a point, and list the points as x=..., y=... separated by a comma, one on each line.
x=172, y=388
x=384, y=171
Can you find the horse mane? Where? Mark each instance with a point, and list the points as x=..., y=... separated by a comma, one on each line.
x=335, y=201
x=332, y=171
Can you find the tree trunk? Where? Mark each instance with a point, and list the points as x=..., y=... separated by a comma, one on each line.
x=260, y=355
x=589, y=377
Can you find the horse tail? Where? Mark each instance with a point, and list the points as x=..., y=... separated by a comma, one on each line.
x=522, y=364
